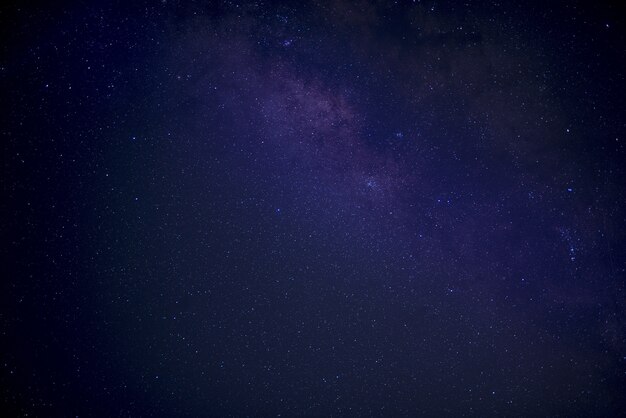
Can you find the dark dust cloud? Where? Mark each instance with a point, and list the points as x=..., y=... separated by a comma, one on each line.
x=324, y=208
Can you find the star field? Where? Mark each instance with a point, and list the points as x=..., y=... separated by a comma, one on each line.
x=326, y=208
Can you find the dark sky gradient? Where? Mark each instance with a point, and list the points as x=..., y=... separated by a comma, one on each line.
x=327, y=208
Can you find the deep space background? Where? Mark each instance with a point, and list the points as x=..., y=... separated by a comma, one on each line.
x=320, y=208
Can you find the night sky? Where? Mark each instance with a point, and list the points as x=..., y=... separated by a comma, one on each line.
x=325, y=208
